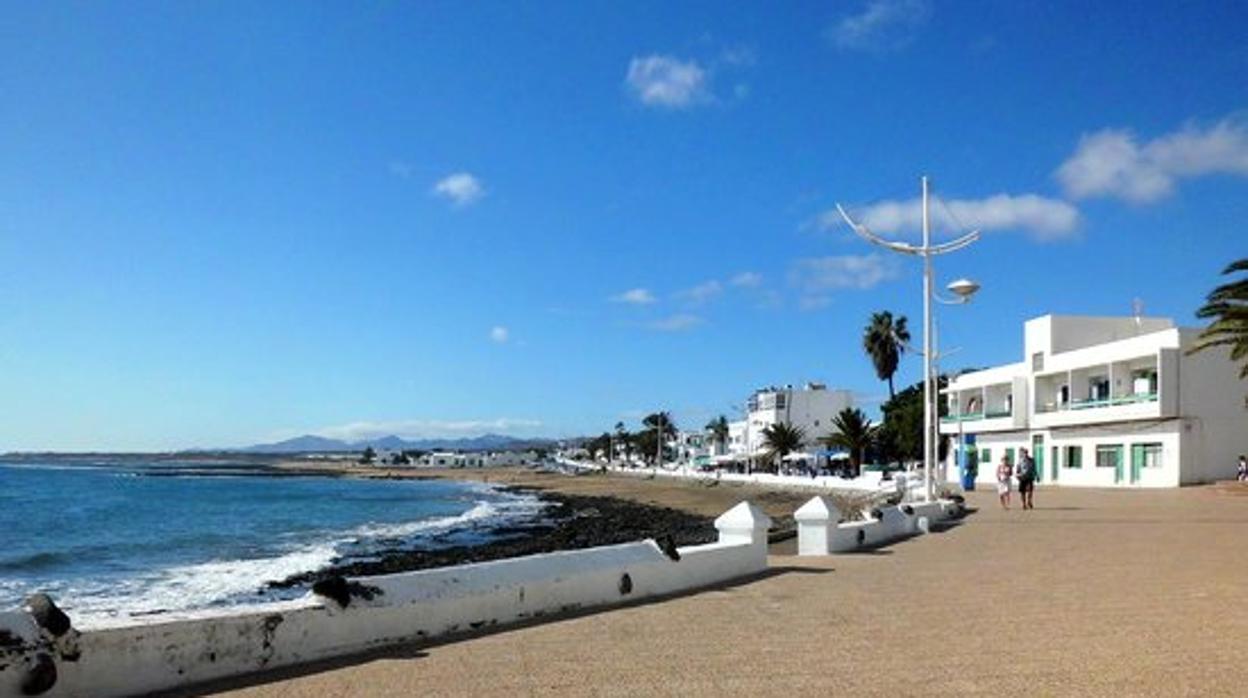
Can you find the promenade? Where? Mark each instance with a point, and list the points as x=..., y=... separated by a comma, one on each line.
x=1141, y=593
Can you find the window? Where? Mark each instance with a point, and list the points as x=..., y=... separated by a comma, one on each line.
x=1074, y=457
x=1037, y=361
x=1108, y=456
x=780, y=401
x=985, y=455
x=1146, y=455
x=1009, y=456
x=1057, y=458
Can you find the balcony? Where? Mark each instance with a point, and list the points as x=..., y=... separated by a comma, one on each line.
x=988, y=407
x=1117, y=390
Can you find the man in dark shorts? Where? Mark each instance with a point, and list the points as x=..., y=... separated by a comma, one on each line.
x=1026, y=472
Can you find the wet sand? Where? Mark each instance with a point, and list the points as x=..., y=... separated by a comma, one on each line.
x=1105, y=593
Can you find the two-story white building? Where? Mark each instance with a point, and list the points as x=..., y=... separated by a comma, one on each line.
x=810, y=408
x=1102, y=401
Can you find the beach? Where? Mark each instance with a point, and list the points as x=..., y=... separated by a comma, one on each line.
x=1148, y=603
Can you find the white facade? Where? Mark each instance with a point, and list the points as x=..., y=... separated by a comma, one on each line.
x=1101, y=401
x=810, y=408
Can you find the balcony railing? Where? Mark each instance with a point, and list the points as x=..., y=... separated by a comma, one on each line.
x=968, y=417
x=1095, y=403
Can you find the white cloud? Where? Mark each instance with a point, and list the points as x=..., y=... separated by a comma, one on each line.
x=635, y=296
x=460, y=188
x=677, y=323
x=665, y=81
x=429, y=428
x=499, y=334
x=747, y=279
x=882, y=25
x=1114, y=163
x=1043, y=218
x=816, y=276
x=701, y=293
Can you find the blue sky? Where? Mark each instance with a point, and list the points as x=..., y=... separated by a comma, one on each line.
x=228, y=223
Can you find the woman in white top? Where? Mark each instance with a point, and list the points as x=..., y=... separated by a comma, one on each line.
x=1004, y=472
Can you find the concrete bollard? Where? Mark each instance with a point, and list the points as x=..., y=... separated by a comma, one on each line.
x=745, y=523
x=815, y=521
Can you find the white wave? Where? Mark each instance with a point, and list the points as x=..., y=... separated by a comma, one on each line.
x=205, y=584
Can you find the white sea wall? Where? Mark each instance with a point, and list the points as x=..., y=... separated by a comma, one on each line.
x=163, y=652
x=821, y=532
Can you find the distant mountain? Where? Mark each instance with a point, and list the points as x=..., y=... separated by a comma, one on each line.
x=320, y=444
x=301, y=444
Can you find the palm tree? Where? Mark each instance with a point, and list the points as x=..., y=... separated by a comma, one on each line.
x=885, y=340
x=854, y=433
x=1228, y=306
x=718, y=429
x=781, y=439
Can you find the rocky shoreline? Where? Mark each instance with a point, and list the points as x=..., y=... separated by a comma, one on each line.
x=569, y=522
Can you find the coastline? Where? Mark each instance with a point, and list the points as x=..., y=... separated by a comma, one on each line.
x=583, y=511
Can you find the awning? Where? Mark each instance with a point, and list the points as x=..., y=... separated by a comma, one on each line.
x=833, y=455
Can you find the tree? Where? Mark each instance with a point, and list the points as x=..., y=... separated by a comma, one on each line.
x=854, y=433
x=781, y=439
x=718, y=430
x=901, y=435
x=1227, y=307
x=884, y=341
x=598, y=444
x=369, y=455
x=622, y=440
x=647, y=440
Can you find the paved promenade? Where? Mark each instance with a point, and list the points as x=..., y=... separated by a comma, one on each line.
x=1106, y=593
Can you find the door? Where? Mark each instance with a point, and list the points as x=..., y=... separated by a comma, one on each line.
x=1037, y=454
x=1137, y=461
x=1055, y=462
x=1117, y=465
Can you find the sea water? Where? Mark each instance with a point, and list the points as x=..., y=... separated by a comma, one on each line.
x=109, y=538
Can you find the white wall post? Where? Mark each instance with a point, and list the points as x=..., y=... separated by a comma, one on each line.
x=745, y=523
x=815, y=521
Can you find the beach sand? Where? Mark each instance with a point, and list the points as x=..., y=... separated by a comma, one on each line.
x=1095, y=592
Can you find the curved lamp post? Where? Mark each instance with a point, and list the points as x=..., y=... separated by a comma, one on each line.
x=962, y=289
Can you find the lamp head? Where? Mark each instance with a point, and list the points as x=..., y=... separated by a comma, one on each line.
x=963, y=288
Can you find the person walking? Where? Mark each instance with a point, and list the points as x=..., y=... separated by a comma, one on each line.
x=1241, y=473
x=1004, y=472
x=1026, y=478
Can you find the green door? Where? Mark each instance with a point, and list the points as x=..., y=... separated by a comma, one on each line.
x=1037, y=454
x=1137, y=461
x=1117, y=464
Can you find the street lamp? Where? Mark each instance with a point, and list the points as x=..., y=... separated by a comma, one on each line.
x=963, y=290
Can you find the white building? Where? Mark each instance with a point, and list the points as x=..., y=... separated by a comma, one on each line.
x=1102, y=401
x=810, y=408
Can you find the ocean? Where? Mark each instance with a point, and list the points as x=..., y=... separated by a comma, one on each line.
x=112, y=537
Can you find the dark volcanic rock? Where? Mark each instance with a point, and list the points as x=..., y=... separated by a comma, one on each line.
x=572, y=522
x=47, y=615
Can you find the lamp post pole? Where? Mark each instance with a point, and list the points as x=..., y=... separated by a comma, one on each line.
x=963, y=288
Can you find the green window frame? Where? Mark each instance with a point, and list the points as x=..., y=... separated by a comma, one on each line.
x=1148, y=455
x=1009, y=456
x=985, y=455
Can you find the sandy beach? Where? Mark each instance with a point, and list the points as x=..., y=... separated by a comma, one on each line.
x=1093, y=593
